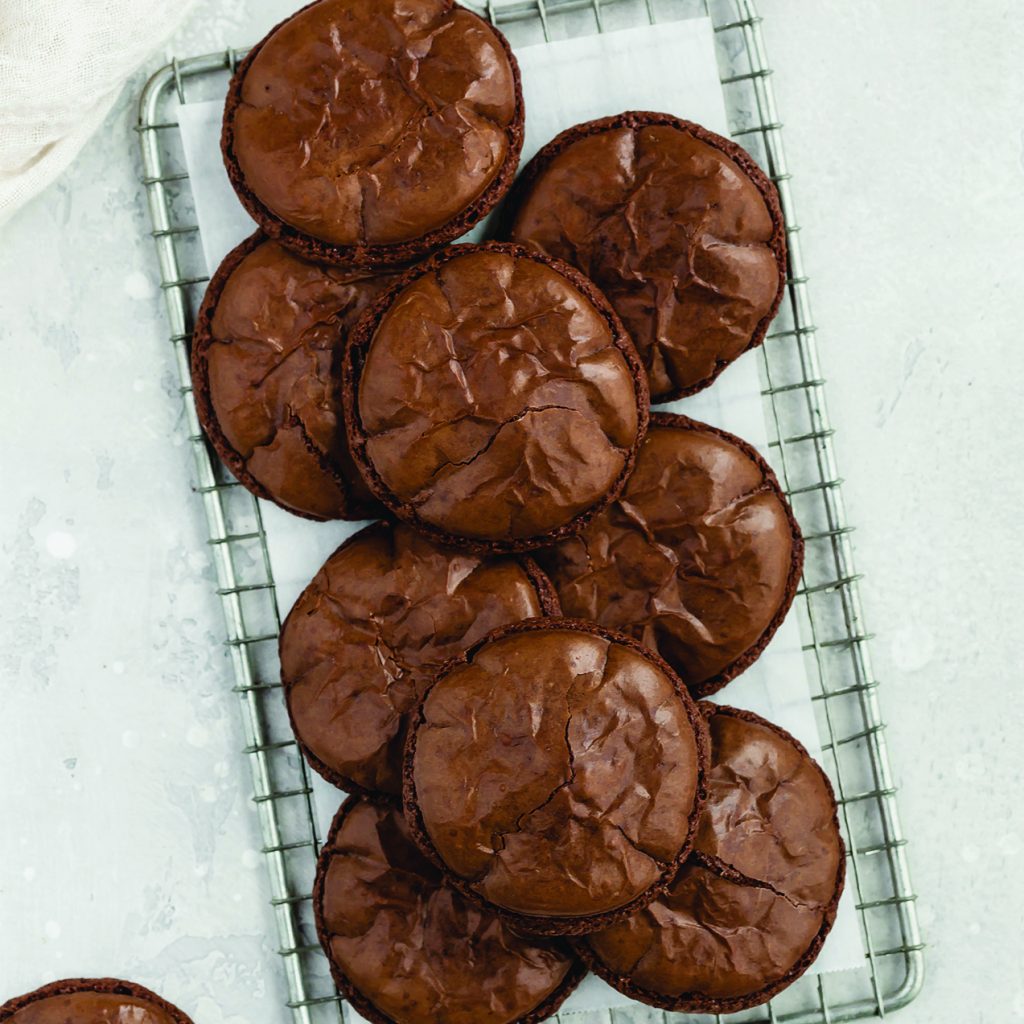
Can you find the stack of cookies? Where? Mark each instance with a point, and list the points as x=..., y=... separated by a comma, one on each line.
x=506, y=671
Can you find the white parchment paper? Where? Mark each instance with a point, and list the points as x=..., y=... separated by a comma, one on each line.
x=668, y=67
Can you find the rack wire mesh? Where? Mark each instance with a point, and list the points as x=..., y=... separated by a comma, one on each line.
x=836, y=642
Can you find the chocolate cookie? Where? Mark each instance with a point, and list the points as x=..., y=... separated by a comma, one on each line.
x=405, y=948
x=359, y=647
x=678, y=227
x=266, y=361
x=91, y=1001
x=698, y=558
x=492, y=398
x=368, y=132
x=556, y=772
x=748, y=913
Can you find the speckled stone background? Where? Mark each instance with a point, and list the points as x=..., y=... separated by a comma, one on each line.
x=128, y=843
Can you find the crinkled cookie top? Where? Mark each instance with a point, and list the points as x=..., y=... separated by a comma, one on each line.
x=374, y=121
x=414, y=947
x=495, y=399
x=749, y=910
x=694, y=558
x=672, y=230
x=367, y=635
x=273, y=364
x=556, y=772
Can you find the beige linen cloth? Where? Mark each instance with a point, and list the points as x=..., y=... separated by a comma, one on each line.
x=62, y=65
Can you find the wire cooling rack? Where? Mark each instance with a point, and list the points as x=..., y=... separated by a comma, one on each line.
x=836, y=645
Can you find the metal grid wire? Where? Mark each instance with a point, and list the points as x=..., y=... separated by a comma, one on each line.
x=801, y=449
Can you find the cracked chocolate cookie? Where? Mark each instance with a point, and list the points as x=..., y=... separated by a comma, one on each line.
x=748, y=913
x=699, y=557
x=556, y=772
x=266, y=365
x=91, y=1001
x=406, y=948
x=493, y=399
x=368, y=132
x=360, y=645
x=677, y=226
